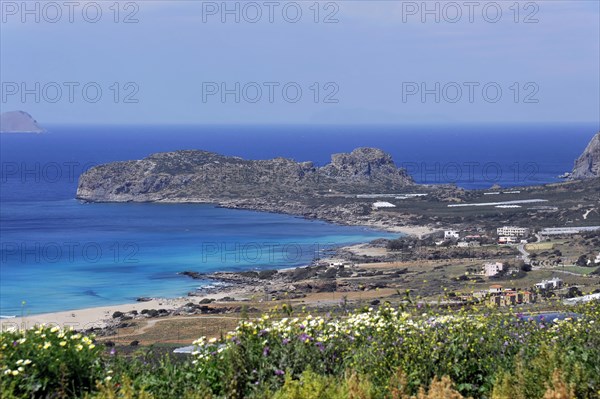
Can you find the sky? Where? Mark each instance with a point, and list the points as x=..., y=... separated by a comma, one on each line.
x=303, y=62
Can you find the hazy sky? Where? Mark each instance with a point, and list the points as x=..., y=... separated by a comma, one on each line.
x=301, y=62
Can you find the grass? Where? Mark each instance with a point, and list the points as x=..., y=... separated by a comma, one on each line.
x=579, y=269
x=541, y=246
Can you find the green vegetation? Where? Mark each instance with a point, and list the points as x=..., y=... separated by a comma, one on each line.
x=396, y=353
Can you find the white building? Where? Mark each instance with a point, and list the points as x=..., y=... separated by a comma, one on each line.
x=491, y=269
x=507, y=240
x=383, y=204
x=451, y=234
x=512, y=231
x=552, y=283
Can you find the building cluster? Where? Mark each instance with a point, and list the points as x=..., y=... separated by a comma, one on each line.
x=468, y=241
x=511, y=234
x=499, y=296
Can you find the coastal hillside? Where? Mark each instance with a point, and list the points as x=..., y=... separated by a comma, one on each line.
x=588, y=164
x=18, y=122
x=202, y=176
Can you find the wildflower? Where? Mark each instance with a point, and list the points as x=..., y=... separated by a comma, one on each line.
x=63, y=343
x=279, y=372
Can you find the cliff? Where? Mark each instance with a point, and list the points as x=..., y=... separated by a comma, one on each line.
x=588, y=164
x=201, y=176
x=18, y=122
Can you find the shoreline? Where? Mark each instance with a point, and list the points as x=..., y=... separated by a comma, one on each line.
x=101, y=316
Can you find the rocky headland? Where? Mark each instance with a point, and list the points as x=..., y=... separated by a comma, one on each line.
x=587, y=166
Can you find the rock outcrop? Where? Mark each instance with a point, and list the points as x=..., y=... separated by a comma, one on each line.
x=587, y=166
x=201, y=176
x=18, y=122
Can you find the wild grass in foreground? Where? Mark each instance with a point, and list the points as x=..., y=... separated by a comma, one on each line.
x=394, y=353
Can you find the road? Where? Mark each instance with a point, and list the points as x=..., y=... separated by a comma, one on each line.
x=524, y=253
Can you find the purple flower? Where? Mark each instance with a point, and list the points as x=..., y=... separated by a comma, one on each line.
x=279, y=372
x=266, y=351
x=113, y=352
x=285, y=341
x=262, y=332
x=304, y=337
x=320, y=346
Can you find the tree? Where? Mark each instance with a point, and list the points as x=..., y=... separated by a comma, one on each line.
x=582, y=261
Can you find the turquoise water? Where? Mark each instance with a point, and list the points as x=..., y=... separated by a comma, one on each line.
x=59, y=255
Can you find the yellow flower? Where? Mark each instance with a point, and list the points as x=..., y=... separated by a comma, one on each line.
x=47, y=345
x=63, y=343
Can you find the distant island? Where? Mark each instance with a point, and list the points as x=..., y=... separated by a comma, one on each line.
x=19, y=122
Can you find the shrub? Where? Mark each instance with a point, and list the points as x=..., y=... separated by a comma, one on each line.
x=48, y=360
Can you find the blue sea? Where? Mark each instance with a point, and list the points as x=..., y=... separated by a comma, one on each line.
x=60, y=254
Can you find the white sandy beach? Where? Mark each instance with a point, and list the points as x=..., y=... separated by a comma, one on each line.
x=82, y=319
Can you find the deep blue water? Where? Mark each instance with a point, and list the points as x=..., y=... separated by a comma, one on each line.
x=59, y=254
